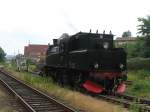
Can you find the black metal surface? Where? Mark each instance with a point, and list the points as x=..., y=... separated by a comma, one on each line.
x=82, y=50
x=32, y=99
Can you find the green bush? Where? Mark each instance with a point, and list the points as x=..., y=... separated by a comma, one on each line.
x=140, y=87
x=140, y=83
x=143, y=74
x=138, y=63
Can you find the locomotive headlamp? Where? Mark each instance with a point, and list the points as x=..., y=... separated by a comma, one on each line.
x=96, y=65
x=106, y=45
x=121, y=66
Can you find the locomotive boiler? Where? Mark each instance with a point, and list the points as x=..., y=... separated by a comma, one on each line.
x=87, y=60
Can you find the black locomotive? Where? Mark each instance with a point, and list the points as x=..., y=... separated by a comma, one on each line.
x=87, y=60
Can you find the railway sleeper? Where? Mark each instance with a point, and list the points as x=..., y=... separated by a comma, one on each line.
x=34, y=98
x=50, y=110
x=45, y=106
x=28, y=96
x=38, y=101
x=41, y=105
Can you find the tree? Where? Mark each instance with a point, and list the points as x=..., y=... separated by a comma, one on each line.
x=126, y=34
x=2, y=55
x=144, y=27
x=131, y=49
x=144, y=30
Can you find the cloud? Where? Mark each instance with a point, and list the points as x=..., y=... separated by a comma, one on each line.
x=42, y=20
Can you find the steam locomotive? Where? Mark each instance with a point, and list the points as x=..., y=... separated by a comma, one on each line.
x=87, y=60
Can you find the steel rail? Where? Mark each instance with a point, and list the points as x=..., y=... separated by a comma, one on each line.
x=128, y=101
x=32, y=99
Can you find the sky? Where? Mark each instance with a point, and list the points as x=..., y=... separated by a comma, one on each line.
x=39, y=21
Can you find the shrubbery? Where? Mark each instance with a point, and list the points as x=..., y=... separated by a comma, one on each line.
x=140, y=86
x=2, y=55
x=141, y=83
x=138, y=63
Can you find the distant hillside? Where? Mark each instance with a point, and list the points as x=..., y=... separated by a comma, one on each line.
x=9, y=57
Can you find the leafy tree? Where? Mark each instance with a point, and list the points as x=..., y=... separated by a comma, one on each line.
x=144, y=30
x=126, y=34
x=131, y=49
x=135, y=49
x=144, y=27
x=2, y=55
x=141, y=48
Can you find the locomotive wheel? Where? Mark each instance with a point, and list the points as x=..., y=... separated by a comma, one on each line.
x=109, y=85
x=78, y=77
x=54, y=77
x=75, y=79
x=58, y=78
x=43, y=74
x=62, y=77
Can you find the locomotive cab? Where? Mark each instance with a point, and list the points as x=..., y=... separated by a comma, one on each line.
x=90, y=41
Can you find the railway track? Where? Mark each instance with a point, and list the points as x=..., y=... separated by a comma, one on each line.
x=36, y=101
x=32, y=99
x=128, y=101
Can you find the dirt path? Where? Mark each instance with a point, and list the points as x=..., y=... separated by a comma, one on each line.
x=8, y=102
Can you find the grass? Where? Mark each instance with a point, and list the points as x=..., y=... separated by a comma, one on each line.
x=141, y=83
x=134, y=108
x=32, y=67
x=79, y=100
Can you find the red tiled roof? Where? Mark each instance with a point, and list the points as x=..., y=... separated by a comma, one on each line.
x=35, y=49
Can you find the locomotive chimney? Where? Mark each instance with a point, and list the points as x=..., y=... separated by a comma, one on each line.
x=104, y=32
x=110, y=32
x=96, y=31
x=90, y=30
x=55, y=42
